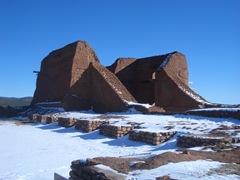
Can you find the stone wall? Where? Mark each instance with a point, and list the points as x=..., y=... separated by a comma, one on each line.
x=33, y=117
x=89, y=125
x=138, y=77
x=188, y=141
x=219, y=112
x=88, y=171
x=120, y=64
x=66, y=122
x=153, y=138
x=114, y=130
x=42, y=118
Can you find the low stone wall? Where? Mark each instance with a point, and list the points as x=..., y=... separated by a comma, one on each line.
x=33, y=117
x=42, y=118
x=51, y=119
x=114, y=130
x=66, y=122
x=38, y=118
x=188, y=141
x=88, y=171
x=89, y=125
x=216, y=113
x=153, y=138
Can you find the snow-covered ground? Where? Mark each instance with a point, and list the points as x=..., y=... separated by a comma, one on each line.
x=36, y=151
x=189, y=170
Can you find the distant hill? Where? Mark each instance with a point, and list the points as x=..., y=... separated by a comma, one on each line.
x=15, y=102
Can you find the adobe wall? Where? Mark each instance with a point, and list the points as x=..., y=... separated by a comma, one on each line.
x=61, y=69
x=73, y=75
x=120, y=64
x=97, y=89
x=138, y=77
x=171, y=85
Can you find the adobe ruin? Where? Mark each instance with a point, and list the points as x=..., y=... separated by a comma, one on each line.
x=61, y=69
x=74, y=76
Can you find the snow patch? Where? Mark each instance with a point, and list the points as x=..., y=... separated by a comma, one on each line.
x=138, y=104
x=165, y=62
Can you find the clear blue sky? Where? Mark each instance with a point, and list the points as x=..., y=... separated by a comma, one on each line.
x=207, y=32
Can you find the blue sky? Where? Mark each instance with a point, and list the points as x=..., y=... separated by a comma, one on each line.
x=207, y=32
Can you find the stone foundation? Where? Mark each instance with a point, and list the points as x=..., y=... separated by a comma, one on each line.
x=33, y=117
x=66, y=122
x=51, y=119
x=89, y=125
x=38, y=118
x=153, y=138
x=188, y=141
x=216, y=113
x=42, y=118
x=88, y=171
x=114, y=131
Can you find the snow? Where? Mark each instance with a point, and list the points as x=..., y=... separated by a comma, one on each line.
x=165, y=62
x=202, y=136
x=138, y=104
x=36, y=151
x=153, y=130
x=188, y=170
x=193, y=95
x=135, y=162
x=101, y=166
x=83, y=115
x=159, y=123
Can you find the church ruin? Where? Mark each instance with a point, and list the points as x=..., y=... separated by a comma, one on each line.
x=74, y=76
